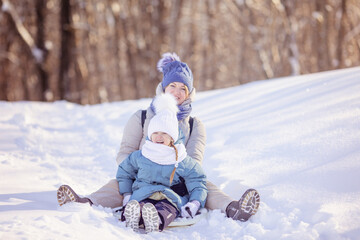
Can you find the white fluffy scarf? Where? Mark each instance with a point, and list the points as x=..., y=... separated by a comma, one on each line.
x=162, y=154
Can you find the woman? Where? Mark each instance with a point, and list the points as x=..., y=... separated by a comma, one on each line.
x=178, y=81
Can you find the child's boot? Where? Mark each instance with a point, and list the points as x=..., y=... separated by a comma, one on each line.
x=132, y=215
x=151, y=218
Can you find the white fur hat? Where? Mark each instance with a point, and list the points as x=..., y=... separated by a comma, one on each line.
x=165, y=118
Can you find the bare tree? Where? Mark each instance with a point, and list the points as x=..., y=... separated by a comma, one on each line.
x=67, y=43
x=98, y=51
x=291, y=43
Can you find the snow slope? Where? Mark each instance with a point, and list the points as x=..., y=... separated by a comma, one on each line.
x=296, y=140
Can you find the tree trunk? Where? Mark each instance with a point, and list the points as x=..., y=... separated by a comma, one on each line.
x=341, y=35
x=66, y=46
x=40, y=45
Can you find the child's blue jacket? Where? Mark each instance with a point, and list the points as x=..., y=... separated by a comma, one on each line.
x=141, y=177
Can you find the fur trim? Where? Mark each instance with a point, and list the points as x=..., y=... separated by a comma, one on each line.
x=167, y=58
x=165, y=101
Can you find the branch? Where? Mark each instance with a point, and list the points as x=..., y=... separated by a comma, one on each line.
x=23, y=32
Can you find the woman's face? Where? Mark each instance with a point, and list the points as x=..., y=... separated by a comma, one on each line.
x=161, y=138
x=178, y=90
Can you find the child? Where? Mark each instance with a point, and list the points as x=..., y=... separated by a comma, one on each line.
x=161, y=180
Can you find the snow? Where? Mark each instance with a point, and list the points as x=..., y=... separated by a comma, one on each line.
x=296, y=140
x=38, y=54
x=5, y=6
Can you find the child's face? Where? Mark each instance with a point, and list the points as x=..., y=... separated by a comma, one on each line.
x=161, y=138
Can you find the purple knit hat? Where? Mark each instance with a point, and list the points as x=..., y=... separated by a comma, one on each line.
x=174, y=71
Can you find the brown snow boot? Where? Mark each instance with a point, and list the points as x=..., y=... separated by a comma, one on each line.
x=65, y=194
x=247, y=206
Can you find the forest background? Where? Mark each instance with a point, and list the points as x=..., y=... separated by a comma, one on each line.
x=94, y=51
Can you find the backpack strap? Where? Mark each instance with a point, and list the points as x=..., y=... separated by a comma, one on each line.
x=143, y=117
x=191, y=123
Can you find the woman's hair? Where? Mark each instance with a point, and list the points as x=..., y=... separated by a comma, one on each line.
x=187, y=93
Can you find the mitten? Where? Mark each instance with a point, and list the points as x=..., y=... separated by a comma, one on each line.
x=190, y=209
x=126, y=198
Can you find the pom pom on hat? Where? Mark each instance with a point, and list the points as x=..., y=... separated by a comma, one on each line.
x=165, y=118
x=165, y=102
x=167, y=58
x=174, y=71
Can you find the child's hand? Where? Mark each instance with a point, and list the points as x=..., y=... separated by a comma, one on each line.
x=126, y=198
x=190, y=209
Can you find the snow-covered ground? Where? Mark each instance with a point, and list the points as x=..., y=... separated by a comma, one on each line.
x=296, y=140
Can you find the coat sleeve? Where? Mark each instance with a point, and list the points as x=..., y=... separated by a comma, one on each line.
x=126, y=173
x=132, y=136
x=195, y=146
x=195, y=182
